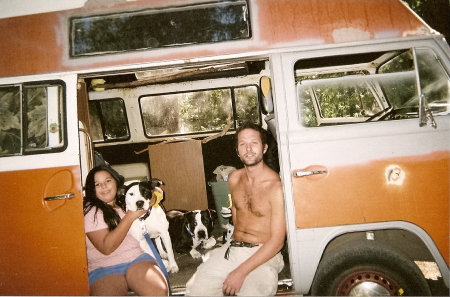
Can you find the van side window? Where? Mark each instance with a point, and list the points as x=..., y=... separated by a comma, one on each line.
x=10, y=121
x=159, y=28
x=370, y=87
x=246, y=102
x=108, y=120
x=32, y=118
x=198, y=111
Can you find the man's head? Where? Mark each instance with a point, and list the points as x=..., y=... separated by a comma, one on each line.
x=249, y=125
x=251, y=144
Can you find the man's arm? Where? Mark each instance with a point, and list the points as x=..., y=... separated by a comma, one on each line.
x=235, y=279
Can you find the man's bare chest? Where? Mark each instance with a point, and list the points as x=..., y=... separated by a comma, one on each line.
x=251, y=200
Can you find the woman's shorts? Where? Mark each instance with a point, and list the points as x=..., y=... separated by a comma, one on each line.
x=98, y=273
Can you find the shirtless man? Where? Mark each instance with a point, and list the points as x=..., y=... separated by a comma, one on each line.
x=250, y=263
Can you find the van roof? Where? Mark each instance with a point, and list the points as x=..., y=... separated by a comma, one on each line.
x=39, y=43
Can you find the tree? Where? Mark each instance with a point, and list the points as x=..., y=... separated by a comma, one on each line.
x=436, y=13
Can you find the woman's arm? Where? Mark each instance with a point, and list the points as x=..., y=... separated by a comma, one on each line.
x=106, y=241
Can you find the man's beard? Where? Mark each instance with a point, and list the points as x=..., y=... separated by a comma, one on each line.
x=253, y=162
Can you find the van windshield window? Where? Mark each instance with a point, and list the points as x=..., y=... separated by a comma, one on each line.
x=359, y=91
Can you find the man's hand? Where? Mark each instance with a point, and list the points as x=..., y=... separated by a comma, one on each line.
x=233, y=283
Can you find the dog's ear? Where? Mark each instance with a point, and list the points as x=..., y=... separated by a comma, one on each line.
x=189, y=216
x=121, y=197
x=121, y=192
x=145, y=188
x=156, y=182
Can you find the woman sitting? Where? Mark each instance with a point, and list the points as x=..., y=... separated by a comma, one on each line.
x=116, y=262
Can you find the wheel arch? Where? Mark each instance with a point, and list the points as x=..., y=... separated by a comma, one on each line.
x=392, y=233
x=368, y=266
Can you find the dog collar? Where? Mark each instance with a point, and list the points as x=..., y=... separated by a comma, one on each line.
x=146, y=215
x=189, y=231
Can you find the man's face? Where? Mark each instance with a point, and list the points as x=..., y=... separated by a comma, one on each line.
x=250, y=148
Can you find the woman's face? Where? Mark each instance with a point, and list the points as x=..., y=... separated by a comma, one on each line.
x=105, y=187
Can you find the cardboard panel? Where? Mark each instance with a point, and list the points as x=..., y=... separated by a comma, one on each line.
x=180, y=166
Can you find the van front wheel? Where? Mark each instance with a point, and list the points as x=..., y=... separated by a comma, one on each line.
x=368, y=268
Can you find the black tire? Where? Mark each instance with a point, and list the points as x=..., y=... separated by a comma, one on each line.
x=353, y=266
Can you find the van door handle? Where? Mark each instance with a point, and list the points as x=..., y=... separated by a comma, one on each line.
x=301, y=173
x=60, y=197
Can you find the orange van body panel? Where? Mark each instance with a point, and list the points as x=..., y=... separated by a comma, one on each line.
x=32, y=230
x=39, y=43
x=424, y=191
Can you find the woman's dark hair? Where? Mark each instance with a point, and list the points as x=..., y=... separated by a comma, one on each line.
x=91, y=200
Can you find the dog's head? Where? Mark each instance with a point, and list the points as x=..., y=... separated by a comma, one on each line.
x=200, y=224
x=140, y=195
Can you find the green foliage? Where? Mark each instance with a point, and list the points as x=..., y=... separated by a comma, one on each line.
x=206, y=113
x=198, y=111
x=10, y=126
x=336, y=99
x=247, y=104
x=36, y=103
x=399, y=93
x=390, y=93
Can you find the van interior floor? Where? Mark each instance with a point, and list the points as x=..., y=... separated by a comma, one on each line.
x=188, y=265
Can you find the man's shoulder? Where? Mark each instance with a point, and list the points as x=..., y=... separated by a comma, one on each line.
x=272, y=183
x=234, y=175
x=271, y=175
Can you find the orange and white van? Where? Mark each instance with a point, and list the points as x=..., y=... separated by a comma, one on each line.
x=356, y=95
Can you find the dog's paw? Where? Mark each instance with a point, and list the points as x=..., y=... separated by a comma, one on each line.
x=166, y=263
x=195, y=254
x=205, y=256
x=211, y=242
x=163, y=255
x=172, y=268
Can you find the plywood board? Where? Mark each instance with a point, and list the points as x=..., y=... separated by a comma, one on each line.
x=180, y=166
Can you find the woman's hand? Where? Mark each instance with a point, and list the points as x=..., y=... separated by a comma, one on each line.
x=107, y=241
x=135, y=214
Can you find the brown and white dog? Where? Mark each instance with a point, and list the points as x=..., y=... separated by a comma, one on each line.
x=191, y=231
x=147, y=195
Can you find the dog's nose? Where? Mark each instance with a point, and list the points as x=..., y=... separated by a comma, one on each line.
x=201, y=234
x=139, y=204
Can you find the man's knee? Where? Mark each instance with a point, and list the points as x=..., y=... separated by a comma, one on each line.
x=261, y=282
x=204, y=285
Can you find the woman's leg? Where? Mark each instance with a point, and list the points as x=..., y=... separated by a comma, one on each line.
x=110, y=285
x=146, y=279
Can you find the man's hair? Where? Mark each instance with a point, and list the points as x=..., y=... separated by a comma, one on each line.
x=249, y=125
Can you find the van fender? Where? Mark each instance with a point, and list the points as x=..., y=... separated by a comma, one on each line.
x=312, y=243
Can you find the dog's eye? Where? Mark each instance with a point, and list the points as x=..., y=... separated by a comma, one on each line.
x=195, y=223
x=131, y=194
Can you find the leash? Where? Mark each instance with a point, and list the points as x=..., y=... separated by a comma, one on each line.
x=189, y=230
x=156, y=254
